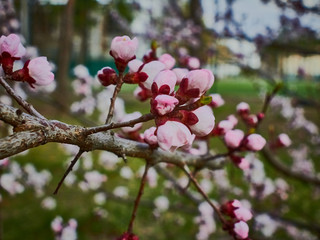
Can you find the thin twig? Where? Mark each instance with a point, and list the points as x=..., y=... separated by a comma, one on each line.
x=197, y=185
x=113, y=99
x=137, y=201
x=73, y=162
x=109, y=126
x=27, y=106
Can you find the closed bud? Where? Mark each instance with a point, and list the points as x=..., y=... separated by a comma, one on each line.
x=107, y=76
x=136, y=77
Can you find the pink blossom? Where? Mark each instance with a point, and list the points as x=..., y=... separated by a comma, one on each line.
x=198, y=79
x=232, y=119
x=236, y=203
x=243, y=214
x=129, y=117
x=255, y=142
x=193, y=63
x=206, y=121
x=12, y=45
x=173, y=135
x=217, y=100
x=241, y=229
x=134, y=65
x=180, y=73
x=243, y=107
x=252, y=120
x=243, y=164
x=124, y=48
x=224, y=126
x=151, y=69
x=167, y=60
x=40, y=71
x=284, y=140
x=233, y=138
x=164, y=82
x=164, y=104
x=150, y=137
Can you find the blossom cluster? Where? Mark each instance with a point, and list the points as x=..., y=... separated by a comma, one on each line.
x=36, y=71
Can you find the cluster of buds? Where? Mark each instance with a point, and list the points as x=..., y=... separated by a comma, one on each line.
x=180, y=115
x=239, y=215
x=123, y=51
x=251, y=120
x=36, y=71
x=177, y=126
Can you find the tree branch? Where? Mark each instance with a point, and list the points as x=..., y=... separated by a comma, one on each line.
x=277, y=164
x=32, y=132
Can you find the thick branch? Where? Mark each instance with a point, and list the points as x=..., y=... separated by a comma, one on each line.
x=55, y=131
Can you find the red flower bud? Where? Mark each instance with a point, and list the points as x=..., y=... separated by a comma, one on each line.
x=107, y=76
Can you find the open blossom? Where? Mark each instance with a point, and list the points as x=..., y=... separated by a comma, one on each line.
x=124, y=48
x=173, y=135
x=167, y=60
x=40, y=71
x=206, y=121
x=164, y=82
x=12, y=45
x=196, y=83
x=164, y=104
x=241, y=229
x=255, y=142
x=233, y=138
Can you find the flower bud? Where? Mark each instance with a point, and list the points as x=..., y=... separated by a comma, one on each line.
x=180, y=73
x=136, y=77
x=195, y=84
x=128, y=236
x=167, y=60
x=240, y=162
x=123, y=50
x=241, y=229
x=217, y=100
x=255, y=142
x=173, y=135
x=150, y=137
x=164, y=82
x=107, y=76
x=193, y=63
x=151, y=69
x=233, y=138
x=283, y=140
x=206, y=121
x=243, y=108
x=164, y=104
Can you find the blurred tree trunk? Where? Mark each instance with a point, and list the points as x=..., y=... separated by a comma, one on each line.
x=84, y=38
x=64, y=55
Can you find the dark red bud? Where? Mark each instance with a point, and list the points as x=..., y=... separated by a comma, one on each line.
x=260, y=116
x=128, y=236
x=107, y=76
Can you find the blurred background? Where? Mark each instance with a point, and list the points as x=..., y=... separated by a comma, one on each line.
x=251, y=46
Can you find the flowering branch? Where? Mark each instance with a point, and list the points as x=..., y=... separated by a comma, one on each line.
x=205, y=196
